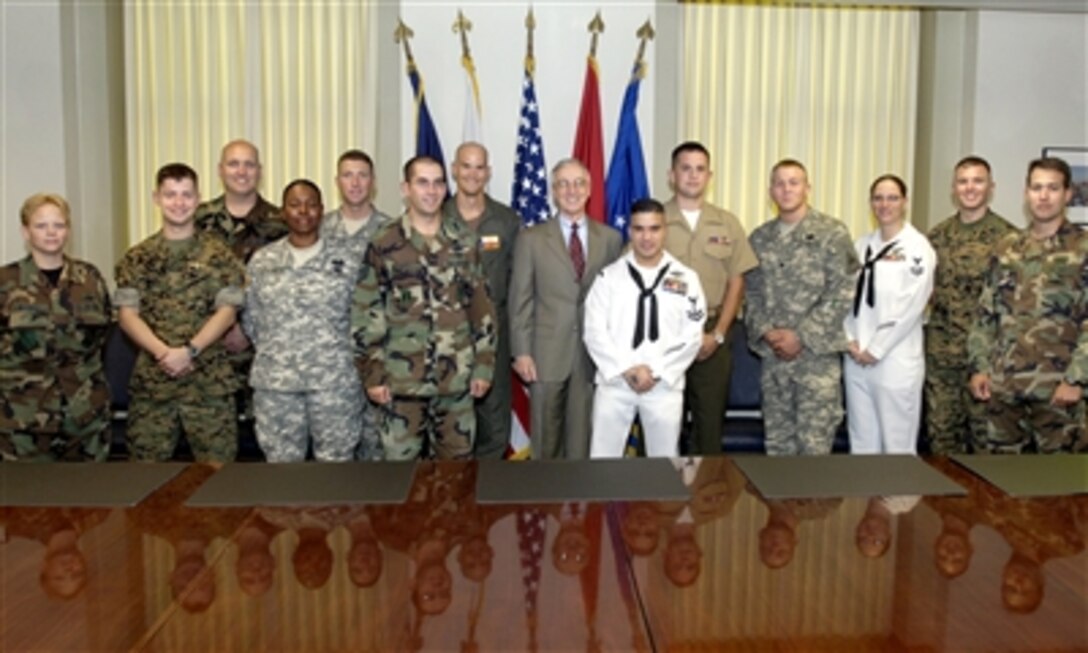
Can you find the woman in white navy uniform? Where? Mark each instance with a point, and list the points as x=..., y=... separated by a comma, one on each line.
x=885, y=362
x=643, y=326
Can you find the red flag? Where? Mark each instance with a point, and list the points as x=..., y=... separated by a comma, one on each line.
x=589, y=142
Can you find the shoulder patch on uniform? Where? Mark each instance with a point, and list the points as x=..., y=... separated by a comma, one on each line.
x=695, y=314
x=490, y=242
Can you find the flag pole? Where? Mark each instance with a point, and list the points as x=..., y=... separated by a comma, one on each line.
x=401, y=35
x=595, y=27
x=530, y=26
x=644, y=34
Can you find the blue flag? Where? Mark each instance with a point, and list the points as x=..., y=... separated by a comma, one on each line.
x=529, y=195
x=627, y=171
x=427, y=143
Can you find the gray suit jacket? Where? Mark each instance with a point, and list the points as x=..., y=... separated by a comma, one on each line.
x=546, y=299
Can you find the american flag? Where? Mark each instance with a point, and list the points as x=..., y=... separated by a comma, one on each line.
x=530, y=199
x=532, y=527
x=530, y=191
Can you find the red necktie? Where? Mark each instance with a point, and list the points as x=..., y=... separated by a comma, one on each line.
x=577, y=254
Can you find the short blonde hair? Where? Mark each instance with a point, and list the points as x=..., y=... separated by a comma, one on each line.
x=38, y=200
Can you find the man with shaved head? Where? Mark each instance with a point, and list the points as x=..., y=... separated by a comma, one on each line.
x=495, y=226
x=246, y=222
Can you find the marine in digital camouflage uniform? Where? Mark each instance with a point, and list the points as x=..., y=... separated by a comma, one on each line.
x=177, y=293
x=1028, y=350
x=955, y=422
x=424, y=326
x=796, y=301
x=54, y=402
x=297, y=315
x=244, y=233
x=352, y=226
x=496, y=227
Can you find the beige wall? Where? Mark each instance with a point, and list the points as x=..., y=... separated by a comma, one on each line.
x=62, y=121
x=1002, y=85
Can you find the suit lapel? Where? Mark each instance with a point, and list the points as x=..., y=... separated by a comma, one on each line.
x=595, y=256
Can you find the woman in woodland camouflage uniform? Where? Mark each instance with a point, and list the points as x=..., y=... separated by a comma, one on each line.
x=54, y=315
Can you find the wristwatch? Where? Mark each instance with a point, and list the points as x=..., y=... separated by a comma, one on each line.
x=719, y=337
x=192, y=349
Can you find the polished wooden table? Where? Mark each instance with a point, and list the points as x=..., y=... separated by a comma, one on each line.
x=725, y=570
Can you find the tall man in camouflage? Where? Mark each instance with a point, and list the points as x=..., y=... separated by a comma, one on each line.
x=423, y=325
x=711, y=241
x=297, y=315
x=797, y=300
x=54, y=316
x=177, y=294
x=357, y=220
x=351, y=227
x=246, y=222
x=495, y=226
x=955, y=422
x=1028, y=350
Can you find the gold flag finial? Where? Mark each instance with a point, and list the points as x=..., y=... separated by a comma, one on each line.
x=463, y=26
x=644, y=33
x=530, y=25
x=596, y=26
x=401, y=35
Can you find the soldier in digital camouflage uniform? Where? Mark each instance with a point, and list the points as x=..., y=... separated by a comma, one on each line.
x=177, y=294
x=495, y=227
x=1028, y=349
x=54, y=315
x=297, y=315
x=796, y=301
x=423, y=324
x=955, y=422
x=246, y=222
x=352, y=226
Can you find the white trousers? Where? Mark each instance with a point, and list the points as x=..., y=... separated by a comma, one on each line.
x=884, y=404
x=614, y=407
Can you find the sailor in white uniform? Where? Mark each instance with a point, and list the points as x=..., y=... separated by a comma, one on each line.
x=885, y=364
x=644, y=324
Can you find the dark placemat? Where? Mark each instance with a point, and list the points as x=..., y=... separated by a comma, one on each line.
x=552, y=481
x=811, y=477
x=1032, y=475
x=82, y=485
x=290, y=484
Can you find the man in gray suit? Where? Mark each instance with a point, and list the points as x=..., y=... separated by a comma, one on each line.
x=555, y=264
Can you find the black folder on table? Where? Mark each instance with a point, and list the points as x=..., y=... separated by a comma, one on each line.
x=812, y=477
x=1031, y=475
x=82, y=485
x=292, y=484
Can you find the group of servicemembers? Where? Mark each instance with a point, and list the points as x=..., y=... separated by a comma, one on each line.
x=355, y=335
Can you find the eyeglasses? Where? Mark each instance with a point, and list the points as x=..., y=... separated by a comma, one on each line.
x=566, y=184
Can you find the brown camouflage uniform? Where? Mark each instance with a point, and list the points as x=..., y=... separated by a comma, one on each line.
x=243, y=235
x=955, y=422
x=424, y=326
x=54, y=402
x=1032, y=333
x=177, y=286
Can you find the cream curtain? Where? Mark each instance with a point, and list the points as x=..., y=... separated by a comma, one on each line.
x=298, y=79
x=834, y=88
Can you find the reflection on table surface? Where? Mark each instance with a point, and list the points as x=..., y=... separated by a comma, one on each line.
x=724, y=570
